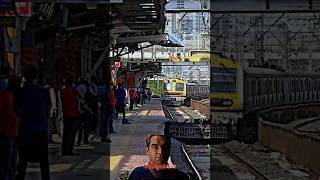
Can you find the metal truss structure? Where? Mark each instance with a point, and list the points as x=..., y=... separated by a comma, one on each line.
x=282, y=40
x=191, y=71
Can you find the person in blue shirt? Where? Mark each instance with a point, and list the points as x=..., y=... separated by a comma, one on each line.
x=32, y=107
x=121, y=103
x=158, y=151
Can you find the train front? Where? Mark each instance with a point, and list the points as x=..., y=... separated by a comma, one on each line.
x=174, y=92
x=225, y=97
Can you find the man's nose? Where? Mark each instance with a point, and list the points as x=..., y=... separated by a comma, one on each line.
x=159, y=150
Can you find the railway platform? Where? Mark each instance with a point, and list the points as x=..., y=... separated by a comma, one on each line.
x=102, y=161
x=127, y=149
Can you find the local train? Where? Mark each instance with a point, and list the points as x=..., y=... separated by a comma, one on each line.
x=237, y=92
x=174, y=92
x=177, y=92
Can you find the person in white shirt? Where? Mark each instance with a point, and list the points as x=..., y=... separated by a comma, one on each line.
x=53, y=108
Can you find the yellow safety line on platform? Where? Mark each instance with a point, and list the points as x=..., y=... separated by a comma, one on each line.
x=148, y=113
x=114, y=162
x=144, y=113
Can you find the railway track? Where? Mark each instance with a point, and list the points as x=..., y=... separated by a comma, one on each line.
x=220, y=162
x=232, y=160
x=183, y=114
x=200, y=168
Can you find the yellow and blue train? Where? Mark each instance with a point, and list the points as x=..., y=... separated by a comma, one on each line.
x=236, y=93
x=174, y=92
x=177, y=92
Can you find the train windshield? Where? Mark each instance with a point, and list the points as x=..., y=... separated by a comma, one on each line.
x=179, y=87
x=223, y=79
x=167, y=87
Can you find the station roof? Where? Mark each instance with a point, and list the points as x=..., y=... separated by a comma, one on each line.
x=140, y=21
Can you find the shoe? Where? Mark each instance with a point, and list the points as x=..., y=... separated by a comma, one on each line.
x=113, y=132
x=106, y=140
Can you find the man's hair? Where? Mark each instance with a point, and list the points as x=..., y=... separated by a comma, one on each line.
x=167, y=138
x=30, y=73
x=68, y=81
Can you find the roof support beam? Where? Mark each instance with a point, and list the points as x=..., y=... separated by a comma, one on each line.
x=140, y=39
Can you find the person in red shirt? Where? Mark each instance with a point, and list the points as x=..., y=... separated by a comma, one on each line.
x=113, y=101
x=132, y=98
x=71, y=115
x=9, y=125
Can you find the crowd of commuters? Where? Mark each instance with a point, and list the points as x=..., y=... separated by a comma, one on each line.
x=32, y=111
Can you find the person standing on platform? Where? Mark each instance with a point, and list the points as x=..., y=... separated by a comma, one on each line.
x=113, y=102
x=84, y=118
x=149, y=93
x=121, y=103
x=71, y=115
x=104, y=125
x=143, y=96
x=114, y=89
x=132, y=98
x=82, y=88
x=32, y=107
x=93, y=104
x=9, y=125
x=52, y=108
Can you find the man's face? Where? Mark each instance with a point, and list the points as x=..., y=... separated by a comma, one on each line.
x=158, y=150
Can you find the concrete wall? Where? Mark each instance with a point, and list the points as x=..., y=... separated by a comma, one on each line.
x=299, y=148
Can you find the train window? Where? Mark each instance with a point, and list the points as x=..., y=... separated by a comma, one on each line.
x=179, y=86
x=167, y=87
x=224, y=80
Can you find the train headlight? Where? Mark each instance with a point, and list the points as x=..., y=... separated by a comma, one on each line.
x=227, y=102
